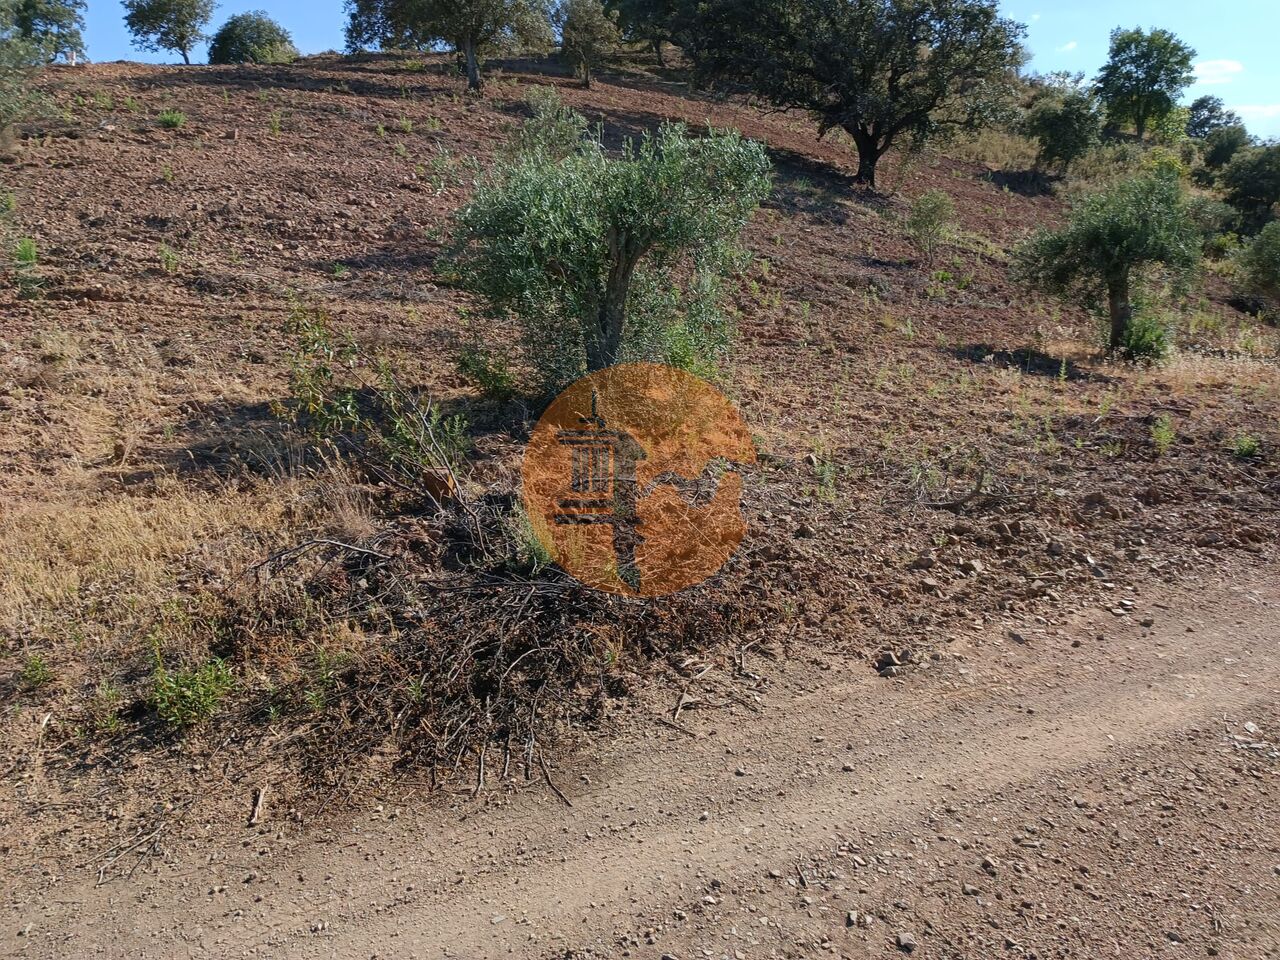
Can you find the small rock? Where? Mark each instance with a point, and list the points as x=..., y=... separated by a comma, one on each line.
x=969, y=890
x=906, y=942
x=971, y=567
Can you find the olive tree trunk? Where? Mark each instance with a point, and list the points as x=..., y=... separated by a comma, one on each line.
x=1120, y=309
x=604, y=342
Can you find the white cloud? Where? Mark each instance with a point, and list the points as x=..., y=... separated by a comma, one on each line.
x=1259, y=111
x=1035, y=18
x=1218, y=71
x=1068, y=46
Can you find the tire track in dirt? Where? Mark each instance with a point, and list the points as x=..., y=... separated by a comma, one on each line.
x=754, y=793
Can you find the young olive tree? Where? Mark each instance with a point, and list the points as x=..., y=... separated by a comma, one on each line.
x=474, y=28
x=1110, y=239
x=604, y=259
x=587, y=34
x=176, y=25
x=1144, y=75
x=55, y=26
x=886, y=72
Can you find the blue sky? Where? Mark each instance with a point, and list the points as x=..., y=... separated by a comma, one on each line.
x=1235, y=40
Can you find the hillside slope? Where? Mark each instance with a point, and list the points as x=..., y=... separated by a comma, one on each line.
x=946, y=457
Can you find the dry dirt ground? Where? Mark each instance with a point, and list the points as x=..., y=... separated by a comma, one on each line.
x=947, y=461
x=1097, y=789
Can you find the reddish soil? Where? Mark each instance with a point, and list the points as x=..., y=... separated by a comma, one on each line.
x=944, y=459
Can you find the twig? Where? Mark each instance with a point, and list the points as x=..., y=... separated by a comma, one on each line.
x=546, y=772
x=258, y=801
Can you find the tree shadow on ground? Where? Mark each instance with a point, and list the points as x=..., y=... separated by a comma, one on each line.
x=1030, y=361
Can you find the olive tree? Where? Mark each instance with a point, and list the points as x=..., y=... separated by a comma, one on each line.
x=1144, y=75
x=886, y=72
x=1110, y=239
x=474, y=28
x=604, y=259
x=176, y=25
x=587, y=34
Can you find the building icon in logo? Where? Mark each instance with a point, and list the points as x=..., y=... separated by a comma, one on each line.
x=603, y=487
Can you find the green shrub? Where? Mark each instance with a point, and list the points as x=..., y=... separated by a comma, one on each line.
x=192, y=694
x=1222, y=144
x=35, y=672
x=1258, y=269
x=584, y=250
x=252, y=38
x=1146, y=338
x=1245, y=446
x=489, y=371
x=929, y=222
x=552, y=130
x=171, y=119
x=1163, y=434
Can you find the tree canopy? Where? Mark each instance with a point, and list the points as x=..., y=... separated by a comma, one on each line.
x=1144, y=75
x=474, y=28
x=56, y=25
x=1208, y=114
x=886, y=72
x=176, y=25
x=252, y=37
x=581, y=247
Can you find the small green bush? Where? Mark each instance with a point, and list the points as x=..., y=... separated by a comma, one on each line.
x=489, y=371
x=1163, y=434
x=191, y=695
x=1258, y=270
x=172, y=119
x=553, y=130
x=1065, y=126
x=1251, y=183
x=35, y=672
x=929, y=222
x=252, y=37
x=1147, y=338
x=1245, y=446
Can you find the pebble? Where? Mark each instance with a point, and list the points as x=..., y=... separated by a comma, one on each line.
x=906, y=942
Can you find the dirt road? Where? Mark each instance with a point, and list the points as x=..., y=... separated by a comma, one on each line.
x=1107, y=789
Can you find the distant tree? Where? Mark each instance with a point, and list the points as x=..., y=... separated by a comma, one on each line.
x=1112, y=236
x=886, y=72
x=1065, y=125
x=587, y=34
x=1223, y=143
x=1207, y=115
x=1144, y=76
x=652, y=22
x=252, y=37
x=20, y=60
x=474, y=28
x=581, y=248
x=1251, y=183
x=176, y=25
x=55, y=25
